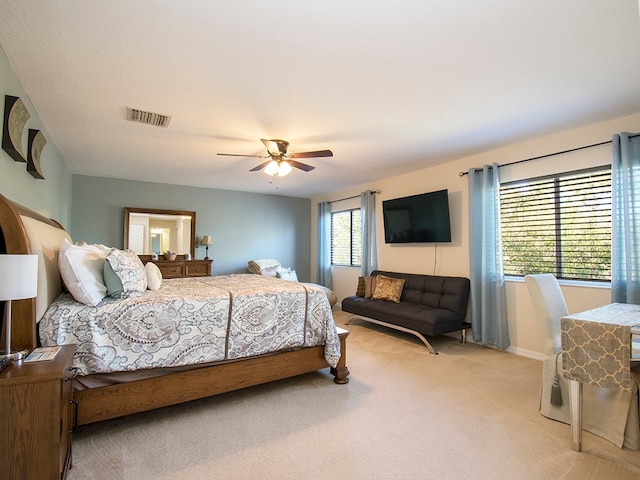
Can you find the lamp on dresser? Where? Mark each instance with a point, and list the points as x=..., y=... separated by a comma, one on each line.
x=206, y=241
x=18, y=280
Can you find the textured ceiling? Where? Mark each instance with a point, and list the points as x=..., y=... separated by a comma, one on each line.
x=389, y=87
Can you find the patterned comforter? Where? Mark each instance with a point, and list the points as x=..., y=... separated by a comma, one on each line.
x=191, y=321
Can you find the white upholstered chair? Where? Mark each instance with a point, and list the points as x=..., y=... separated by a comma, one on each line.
x=610, y=414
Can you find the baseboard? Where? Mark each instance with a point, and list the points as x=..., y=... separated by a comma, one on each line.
x=526, y=353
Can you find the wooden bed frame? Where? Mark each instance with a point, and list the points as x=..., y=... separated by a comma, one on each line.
x=103, y=403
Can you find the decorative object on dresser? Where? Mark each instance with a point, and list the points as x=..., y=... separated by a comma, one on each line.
x=37, y=410
x=18, y=280
x=206, y=241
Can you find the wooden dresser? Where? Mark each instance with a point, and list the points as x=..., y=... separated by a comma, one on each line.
x=36, y=419
x=180, y=267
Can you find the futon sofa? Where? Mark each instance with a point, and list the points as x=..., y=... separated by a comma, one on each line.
x=428, y=305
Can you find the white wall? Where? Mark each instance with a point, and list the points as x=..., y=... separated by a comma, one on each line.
x=453, y=259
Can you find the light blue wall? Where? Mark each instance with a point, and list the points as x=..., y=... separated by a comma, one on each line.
x=244, y=226
x=50, y=197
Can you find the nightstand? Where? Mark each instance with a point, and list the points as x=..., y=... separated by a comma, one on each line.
x=36, y=418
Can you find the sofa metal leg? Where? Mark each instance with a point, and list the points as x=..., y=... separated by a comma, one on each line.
x=463, y=336
x=432, y=350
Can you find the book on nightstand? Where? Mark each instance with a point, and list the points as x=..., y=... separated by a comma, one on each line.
x=41, y=354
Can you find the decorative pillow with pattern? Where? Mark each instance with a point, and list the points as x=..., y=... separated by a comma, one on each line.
x=388, y=289
x=360, y=288
x=129, y=268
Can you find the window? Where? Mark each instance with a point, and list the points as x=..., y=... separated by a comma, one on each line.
x=346, y=243
x=559, y=224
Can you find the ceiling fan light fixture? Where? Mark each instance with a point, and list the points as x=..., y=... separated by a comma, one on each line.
x=282, y=163
x=272, y=168
x=279, y=168
x=284, y=169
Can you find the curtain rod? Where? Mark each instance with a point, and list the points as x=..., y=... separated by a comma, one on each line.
x=373, y=192
x=461, y=174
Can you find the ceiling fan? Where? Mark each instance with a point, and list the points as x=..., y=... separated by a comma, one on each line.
x=280, y=162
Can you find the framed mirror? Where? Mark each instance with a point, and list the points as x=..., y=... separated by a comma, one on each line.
x=149, y=230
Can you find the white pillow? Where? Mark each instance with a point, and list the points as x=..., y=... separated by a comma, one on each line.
x=288, y=274
x=81, y=270
x=129, y=268
x=154, y=276
x=103, y=248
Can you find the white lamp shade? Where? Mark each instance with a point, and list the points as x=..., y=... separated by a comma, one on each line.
x=18, y=276
x=206, y=240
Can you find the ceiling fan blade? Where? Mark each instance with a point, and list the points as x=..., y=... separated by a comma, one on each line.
x=240, y=155
x=301, y=166
x=260, y=167
x=319, y=153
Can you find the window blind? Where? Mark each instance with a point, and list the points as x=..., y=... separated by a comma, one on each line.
x=346, y=238
x=559, y=225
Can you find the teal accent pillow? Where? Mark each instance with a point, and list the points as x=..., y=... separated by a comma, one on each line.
x=112, y=281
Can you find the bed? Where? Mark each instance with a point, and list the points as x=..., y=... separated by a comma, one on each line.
x=206, y=362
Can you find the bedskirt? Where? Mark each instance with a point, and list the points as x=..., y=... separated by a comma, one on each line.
x=192, y=321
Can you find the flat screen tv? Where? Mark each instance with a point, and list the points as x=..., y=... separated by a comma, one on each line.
x=417, y=219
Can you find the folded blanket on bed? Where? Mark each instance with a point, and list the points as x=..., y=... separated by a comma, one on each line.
x=265, y=266
x=191, y=321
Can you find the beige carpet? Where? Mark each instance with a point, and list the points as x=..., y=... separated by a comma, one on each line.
x=468, y=413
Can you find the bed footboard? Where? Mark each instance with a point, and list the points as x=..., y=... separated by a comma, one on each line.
x=114, y=401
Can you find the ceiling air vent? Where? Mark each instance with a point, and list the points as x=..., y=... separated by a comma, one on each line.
x=148, y=118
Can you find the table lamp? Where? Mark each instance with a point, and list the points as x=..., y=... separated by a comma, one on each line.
x=206, y=241
x=18, y=280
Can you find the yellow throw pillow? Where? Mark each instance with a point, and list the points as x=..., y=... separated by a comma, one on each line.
x=369, y=286
x=388, y=289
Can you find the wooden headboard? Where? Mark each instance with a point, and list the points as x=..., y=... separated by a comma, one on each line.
x=24, y=231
